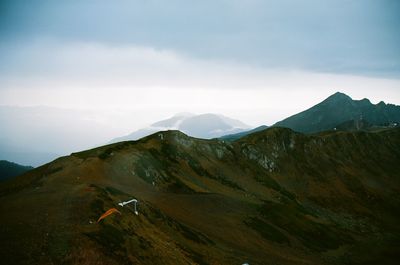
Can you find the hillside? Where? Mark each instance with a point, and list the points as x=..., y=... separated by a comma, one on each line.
x=236, y=136
x=363, y=125
x=272, y=197
x=10, y=169
x=340, y=108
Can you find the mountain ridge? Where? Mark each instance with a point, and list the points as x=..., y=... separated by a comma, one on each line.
x=275, y=195
x=236, y=136
x=10, y=169
x=339, y=108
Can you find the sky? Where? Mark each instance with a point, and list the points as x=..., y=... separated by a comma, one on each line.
x=257, y=61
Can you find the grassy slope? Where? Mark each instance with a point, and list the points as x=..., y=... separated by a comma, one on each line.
x=272, y=197
x=237, y=136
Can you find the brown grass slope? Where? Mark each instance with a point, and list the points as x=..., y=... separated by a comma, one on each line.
x=273, y=197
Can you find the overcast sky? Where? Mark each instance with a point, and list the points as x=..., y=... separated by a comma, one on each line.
x=258, y=61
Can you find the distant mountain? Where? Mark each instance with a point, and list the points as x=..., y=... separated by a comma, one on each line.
x=205, y=126
x=10, y=169
x=272, y=197
x=236, y=136
x=340, y=108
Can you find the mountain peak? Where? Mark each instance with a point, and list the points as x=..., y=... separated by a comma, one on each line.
x=339, y=96
x=365, y=101
x=337, y=109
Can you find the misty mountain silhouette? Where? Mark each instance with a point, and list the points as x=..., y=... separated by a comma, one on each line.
x=204, y=126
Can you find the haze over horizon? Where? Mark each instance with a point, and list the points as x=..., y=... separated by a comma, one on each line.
x=130, y=64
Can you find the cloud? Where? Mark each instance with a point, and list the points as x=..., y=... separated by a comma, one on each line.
x=358, y=37
x=96, y=76
x=46, y=64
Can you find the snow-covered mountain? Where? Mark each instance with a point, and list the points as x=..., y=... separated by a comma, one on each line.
x=206, y=126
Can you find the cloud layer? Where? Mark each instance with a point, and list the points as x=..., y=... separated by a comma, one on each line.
x=98, y=76
x=358, y=37
x=258, y=61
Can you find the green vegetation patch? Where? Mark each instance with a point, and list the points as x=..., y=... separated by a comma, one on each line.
x=97, y=206
x=193, y=255
x=154, y=167
x=171, y=152
x=267, y=231
x=225, y=181
x=196, y=167
x=112, y=241
x=179, y=187
x=116, y=147
x=192, y=235
x=58, y=245
x=114, y=191
x=292, y=217
x=157, y=217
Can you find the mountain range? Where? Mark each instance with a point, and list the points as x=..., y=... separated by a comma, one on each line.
x=272, y=197
x=37, y=135
x=10, y=169
x=340, y=108
x=337, y=112
x=204, y=126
